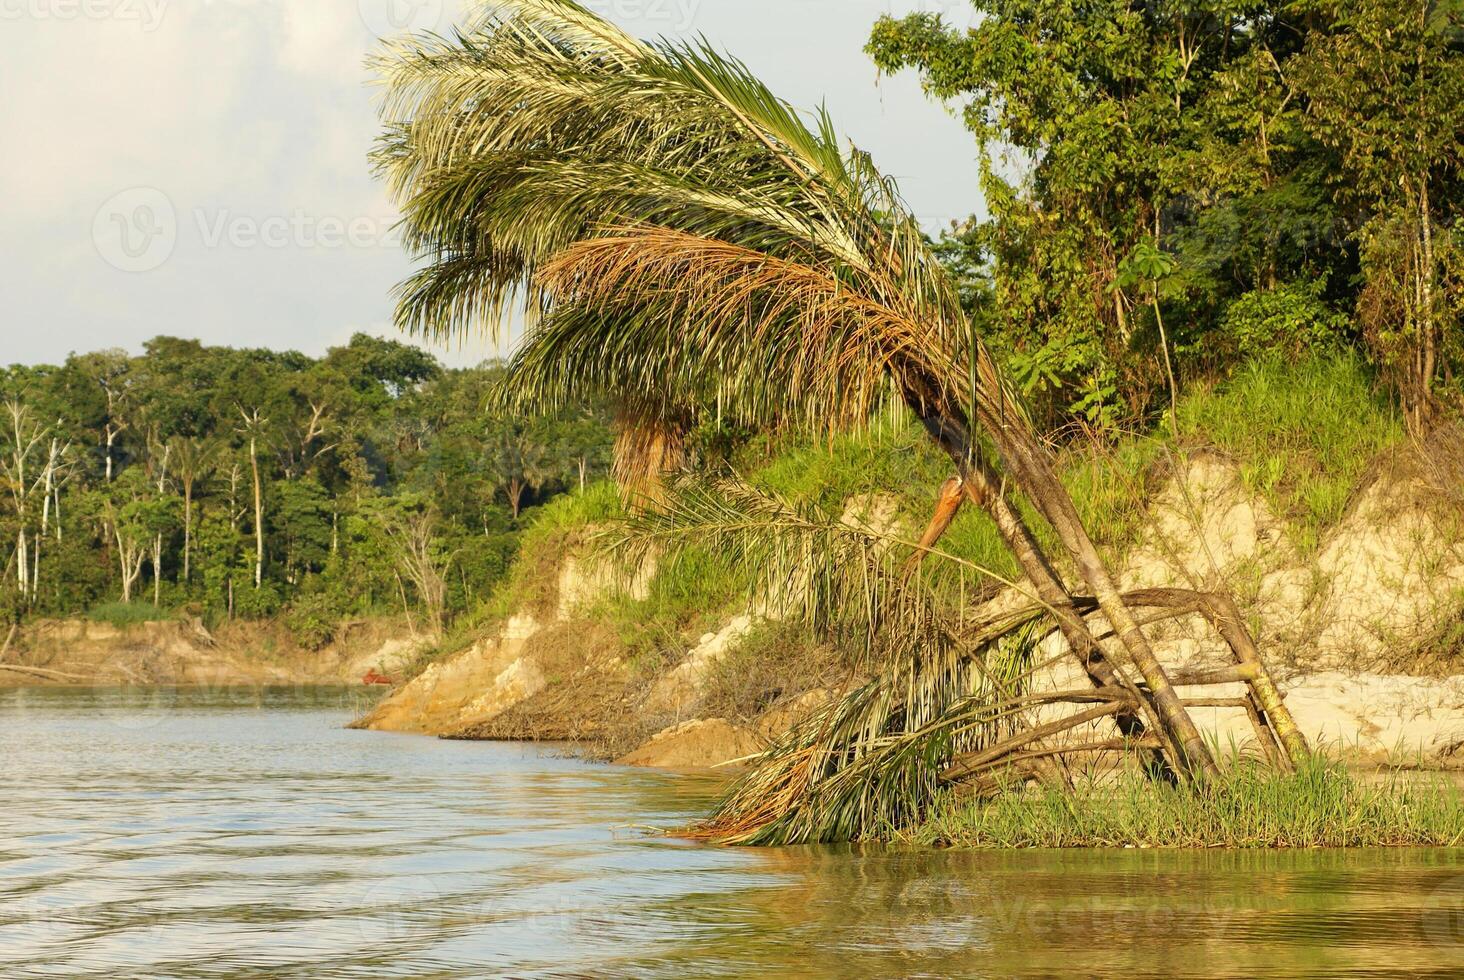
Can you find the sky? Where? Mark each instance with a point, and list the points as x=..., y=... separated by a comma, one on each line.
x=197, y=168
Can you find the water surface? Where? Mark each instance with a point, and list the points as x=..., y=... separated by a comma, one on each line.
x=245, y=833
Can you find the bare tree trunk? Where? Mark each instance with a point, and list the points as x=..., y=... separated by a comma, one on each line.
x=258, y=514
x=22, y=561
x=187, y=532
x=1428, y=352
x=1040, y=484
x=983, y=488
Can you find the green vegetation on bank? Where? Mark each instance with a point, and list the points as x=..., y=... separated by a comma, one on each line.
x=1249, y=806
x=1180, y=196
x=1320, y=421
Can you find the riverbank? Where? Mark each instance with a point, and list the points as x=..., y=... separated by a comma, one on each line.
x=85, y=652
x=1340, y=541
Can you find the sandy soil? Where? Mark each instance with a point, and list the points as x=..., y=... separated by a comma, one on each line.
x=185, y=653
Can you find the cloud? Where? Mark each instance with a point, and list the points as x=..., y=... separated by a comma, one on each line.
x=257, y=114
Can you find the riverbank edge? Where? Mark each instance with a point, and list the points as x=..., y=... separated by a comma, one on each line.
x=1356, y=626
x=184, y=653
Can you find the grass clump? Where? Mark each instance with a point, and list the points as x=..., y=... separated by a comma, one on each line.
x=1303, y=433
x=597, y=503
x=1249, y=806
x=126, y=613
x=693, y=589
x=560, y=527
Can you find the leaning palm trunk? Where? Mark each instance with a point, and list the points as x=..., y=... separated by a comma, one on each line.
x=681, y=237
x=649, y=450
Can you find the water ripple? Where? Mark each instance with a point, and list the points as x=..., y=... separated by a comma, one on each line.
x=227, y=834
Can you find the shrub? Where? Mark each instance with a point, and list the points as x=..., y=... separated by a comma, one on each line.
x=260, y=603
x=1291, y=319
x=312, y=620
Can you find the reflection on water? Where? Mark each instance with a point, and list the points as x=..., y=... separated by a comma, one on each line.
x=200, y=835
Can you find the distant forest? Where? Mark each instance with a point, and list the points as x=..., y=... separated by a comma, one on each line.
x=251, y=483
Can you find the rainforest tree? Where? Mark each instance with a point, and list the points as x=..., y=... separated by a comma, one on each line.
x=1273, y=149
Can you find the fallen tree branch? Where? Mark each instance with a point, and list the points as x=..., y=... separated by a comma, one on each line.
x=963, y=766
x=40, y=672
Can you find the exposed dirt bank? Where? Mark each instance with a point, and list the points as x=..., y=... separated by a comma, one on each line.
x=1365, y=628
x=185, y=653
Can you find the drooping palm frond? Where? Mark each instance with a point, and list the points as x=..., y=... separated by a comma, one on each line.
x=542, y=147
x=937, y=684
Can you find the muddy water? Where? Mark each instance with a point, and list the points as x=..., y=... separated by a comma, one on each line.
x=247, y=834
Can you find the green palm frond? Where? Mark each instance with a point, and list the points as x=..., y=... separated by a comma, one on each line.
x=937, y=686
x=541, y=140
x=679, y=234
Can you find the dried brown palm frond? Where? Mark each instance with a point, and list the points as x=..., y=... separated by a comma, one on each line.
x=650, y=449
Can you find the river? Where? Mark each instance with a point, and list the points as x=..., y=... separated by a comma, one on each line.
x=246, y=833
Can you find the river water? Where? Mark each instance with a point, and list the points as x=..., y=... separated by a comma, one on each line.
x=245, y=833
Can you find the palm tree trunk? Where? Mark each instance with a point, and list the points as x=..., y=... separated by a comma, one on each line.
x=983, y=488
x=1034, y=476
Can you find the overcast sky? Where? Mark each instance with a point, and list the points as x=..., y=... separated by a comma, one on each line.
x=197, y=167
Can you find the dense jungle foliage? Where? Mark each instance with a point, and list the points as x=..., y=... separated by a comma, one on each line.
x=253, y=483
x=1180, y=196
x=1226, y=178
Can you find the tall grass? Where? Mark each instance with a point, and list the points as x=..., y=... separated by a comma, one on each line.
x=1249, y=806
x=1302, y=431
x=126, y=613
x=692, y=591
x=597, y=503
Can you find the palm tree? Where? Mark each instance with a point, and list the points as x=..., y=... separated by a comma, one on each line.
x=193, y=460
x=681, y=235
x=520, y=464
